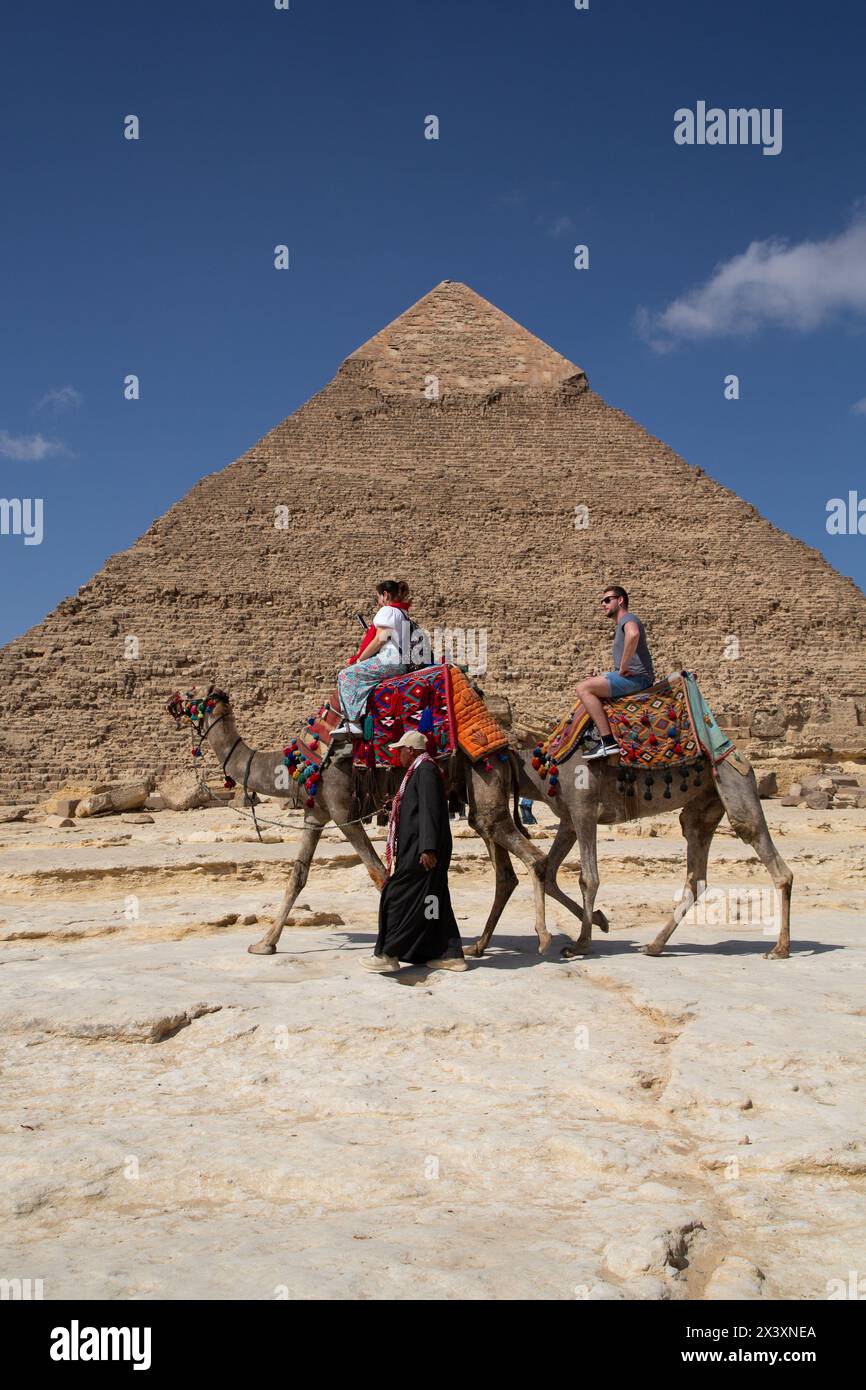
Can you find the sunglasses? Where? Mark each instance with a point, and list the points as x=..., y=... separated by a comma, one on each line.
x=611, y=598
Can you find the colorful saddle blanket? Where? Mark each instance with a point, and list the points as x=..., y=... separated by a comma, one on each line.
x=441, y=703
x=401, y=703
x=437, y=700
x=666, y=725
x=313, y=743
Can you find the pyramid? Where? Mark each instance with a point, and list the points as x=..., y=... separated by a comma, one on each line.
x=453, y=450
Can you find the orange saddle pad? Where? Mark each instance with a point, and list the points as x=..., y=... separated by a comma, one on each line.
x=477, y=731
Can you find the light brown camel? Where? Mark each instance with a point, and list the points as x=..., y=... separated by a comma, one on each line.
x=587, y=797
x=489, y=796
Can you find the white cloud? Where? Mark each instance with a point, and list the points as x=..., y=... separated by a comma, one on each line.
x=554, y=226
x=513, y=200
x=859, y=407
x=561, y=226
x=59, y=399
x=798, y=286
x=28, y=447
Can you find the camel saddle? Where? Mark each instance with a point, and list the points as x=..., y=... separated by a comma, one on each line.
x=668, y=725
x=440, y=702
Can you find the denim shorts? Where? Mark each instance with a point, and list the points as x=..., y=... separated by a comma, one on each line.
x=625, y=685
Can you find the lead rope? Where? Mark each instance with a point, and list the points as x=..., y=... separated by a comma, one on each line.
x=247, y=800
x=251, y=814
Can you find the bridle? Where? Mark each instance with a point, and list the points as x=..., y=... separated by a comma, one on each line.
x=196, y=710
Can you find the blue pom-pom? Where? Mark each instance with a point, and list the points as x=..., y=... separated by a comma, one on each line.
x=425, y=723
x=503, y=756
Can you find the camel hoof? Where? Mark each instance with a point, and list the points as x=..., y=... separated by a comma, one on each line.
x=651, y=950
x=543, y=943
x=776, y=954
x=576, y=948
x=473, y=950
x=261, y=948
x=599, y=920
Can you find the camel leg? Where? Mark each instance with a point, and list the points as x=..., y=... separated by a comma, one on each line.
x=506, y=882
x=361, y=844
x=562, y=843
x=746, y=814
x=509, y=838
x=587, y=835
x=300, y=869
x=783, y=881
x=699, y=819
x=503, y=831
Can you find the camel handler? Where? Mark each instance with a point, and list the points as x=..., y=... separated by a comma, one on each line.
x=633, y=669
x=416, y=919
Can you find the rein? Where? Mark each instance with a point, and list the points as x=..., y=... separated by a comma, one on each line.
x=177, y=709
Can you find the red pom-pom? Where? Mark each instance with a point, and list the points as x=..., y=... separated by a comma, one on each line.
x=536, y=763
x=678, y=748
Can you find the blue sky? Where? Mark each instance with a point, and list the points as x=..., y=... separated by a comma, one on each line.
x=306, y=127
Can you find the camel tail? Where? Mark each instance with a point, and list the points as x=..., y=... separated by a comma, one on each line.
x=515, y=786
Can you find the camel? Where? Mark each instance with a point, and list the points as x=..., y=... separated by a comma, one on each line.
x=587, y=797
x=488, y=794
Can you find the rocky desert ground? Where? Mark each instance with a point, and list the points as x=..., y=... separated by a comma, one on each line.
x=184, y=1120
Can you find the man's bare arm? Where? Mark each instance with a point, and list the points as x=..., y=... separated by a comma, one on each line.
x=631, y=633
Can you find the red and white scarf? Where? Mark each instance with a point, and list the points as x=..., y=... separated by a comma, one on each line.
x=394, y=821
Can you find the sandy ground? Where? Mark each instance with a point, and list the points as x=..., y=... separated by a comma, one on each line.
x=183, y=1120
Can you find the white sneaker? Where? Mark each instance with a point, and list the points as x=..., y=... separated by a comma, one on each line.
x=605, y=749
x=380, y=965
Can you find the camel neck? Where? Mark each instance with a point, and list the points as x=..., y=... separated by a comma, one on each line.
x=224, y=742
x=223, y=739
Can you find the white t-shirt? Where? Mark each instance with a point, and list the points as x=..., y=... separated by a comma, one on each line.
x=397, y=624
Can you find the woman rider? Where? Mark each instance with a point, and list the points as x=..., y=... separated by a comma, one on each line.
x=385, y=651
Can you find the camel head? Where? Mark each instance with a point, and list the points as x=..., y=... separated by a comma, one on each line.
x=200, y=710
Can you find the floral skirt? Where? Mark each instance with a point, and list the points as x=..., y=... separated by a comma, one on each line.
x=354, y=684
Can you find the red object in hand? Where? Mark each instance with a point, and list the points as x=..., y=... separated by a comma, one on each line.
x=368, y=637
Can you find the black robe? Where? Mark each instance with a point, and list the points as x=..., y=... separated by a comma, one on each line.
x=408, y=928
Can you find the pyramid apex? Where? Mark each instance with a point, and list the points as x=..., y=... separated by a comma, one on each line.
x=470, y=346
